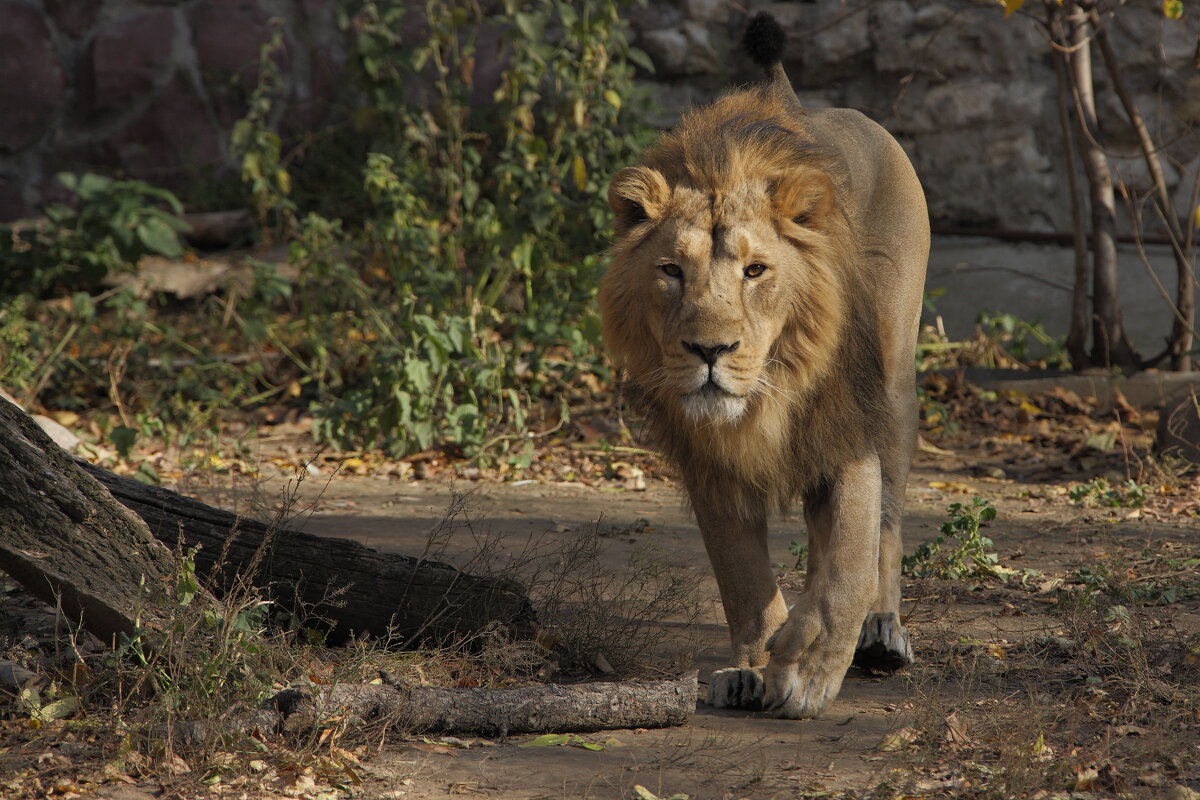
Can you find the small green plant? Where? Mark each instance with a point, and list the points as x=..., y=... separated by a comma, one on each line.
x=260, y=148
x=1168, y=581
x=961, y=551
x=208, y=655
x=116, y=223
x=1025, y=342
x=800, y=551
x=999, y=340
x=1099, y=493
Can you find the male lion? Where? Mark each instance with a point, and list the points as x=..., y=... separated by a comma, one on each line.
x=763, y=298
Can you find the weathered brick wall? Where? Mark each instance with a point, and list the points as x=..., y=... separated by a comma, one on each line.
x=148, y=88
x=151, y=87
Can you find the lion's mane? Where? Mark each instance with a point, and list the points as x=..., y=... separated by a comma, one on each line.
x=828, y=405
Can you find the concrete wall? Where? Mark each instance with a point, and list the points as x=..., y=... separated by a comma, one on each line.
x=1034, y=281
x=150, y=87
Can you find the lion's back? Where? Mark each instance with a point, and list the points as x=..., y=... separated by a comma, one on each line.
x=883, y=198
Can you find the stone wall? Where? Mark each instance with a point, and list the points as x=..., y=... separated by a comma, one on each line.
x=150, y=87
x=970, y=94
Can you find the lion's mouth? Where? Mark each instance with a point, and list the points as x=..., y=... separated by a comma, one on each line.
x=712, y=389
x=712, y=402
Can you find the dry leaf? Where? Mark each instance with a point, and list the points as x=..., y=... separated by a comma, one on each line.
x=1130, y=730
x=951, y=486
x=956, y=731
x=1087, y=779
x=897, y=740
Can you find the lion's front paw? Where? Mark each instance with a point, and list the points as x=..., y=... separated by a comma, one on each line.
x=798, y=690
x=736, y=687
x=883, y=645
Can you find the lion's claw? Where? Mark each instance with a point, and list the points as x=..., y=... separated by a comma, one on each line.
x=800, y=691
x=883, y=644
x=736, y=687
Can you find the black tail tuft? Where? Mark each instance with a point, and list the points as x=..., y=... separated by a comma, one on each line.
x=764, y=40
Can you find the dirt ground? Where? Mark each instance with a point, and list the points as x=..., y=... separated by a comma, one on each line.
x=735, y=754
x=1044, y=685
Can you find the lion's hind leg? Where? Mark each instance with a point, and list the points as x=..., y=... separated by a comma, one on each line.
x=883, y=644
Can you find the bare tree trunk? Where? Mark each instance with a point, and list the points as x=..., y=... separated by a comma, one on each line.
x=65, y=540
x=1110, y=345
x=1180, y=342
x=1077, y=335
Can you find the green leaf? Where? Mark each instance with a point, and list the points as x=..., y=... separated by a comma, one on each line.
x=613, y=99
x=418, y=375
x=548, y=740
x=528, y=25
x=641, y=59
x=1172, y=9
x=91, y=185
x=123, y=439
x=158, y=237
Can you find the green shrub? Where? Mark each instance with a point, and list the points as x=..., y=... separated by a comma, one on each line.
x=445, y=298
x=116, y=223
x=461, y=298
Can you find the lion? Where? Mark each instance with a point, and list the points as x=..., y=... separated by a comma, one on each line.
x=762, y=298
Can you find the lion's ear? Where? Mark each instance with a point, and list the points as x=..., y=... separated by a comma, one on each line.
x=804, y=196
x=636, y=195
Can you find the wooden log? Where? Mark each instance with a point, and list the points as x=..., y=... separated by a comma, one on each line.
x=64, y=539
x=356, y=589
x=548, y=708
x=14, y=678
x=218, y=229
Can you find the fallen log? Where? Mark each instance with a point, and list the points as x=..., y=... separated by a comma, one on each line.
x=352, y=588
x=548, y=708
x=218, y=229
x=65, y=541
x=15, y=679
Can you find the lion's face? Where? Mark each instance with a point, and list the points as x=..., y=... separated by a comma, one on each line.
x=711, y=290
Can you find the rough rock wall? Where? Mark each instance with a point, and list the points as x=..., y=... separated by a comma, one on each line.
x=151, y=87
x=970, y=94
x=148, y=88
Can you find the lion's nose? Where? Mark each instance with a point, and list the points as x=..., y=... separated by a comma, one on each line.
x=710, y=353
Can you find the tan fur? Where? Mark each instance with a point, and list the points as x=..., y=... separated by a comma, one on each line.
x=812, y=381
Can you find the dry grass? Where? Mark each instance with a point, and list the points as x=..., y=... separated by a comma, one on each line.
x=1103, y=698
x=121, y=716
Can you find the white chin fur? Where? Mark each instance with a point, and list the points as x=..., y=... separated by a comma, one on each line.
x=713, y=407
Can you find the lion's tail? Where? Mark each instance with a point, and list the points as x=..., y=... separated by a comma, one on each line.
x=763, y=41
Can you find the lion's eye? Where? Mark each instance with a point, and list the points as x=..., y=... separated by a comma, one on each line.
x=754, y=270
x=671, y=270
